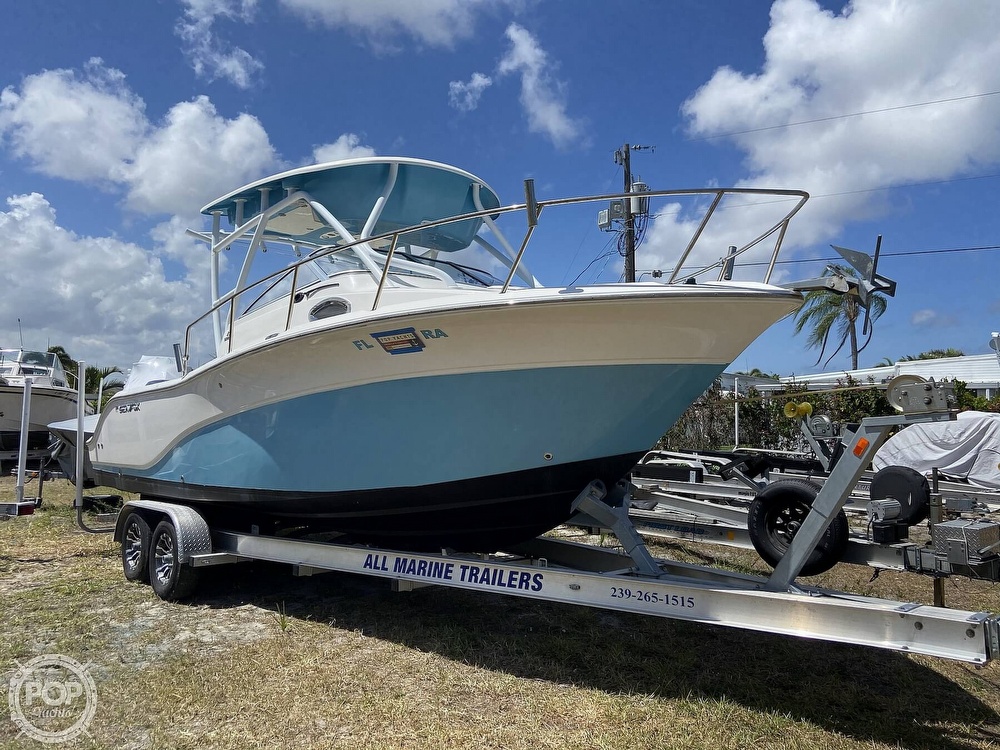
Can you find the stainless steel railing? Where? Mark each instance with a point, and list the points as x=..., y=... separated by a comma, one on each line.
x=534, y=210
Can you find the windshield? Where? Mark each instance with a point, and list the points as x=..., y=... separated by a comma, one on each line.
x=460, y=272
x=45, y=359
x=409, y=261
x=338, y=262
x=20, y=363
x=318, y=269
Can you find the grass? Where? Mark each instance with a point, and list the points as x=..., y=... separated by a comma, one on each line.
x=262, y=659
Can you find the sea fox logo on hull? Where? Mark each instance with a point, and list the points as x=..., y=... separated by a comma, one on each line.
x=126, y=408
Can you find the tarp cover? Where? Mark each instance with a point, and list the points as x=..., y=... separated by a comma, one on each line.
x=150, y=369
x=967, y=448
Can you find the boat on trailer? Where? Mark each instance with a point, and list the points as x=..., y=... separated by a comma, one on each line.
x=401, y=377
x=51, y=400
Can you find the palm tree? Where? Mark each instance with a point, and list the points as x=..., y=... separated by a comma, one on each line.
x=96, y=374
x=826, y=312
x=93, y=376
x=92, y=383
x=757, y=373
x=934, y=354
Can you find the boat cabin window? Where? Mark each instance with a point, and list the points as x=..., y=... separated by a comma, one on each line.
x=328, y=309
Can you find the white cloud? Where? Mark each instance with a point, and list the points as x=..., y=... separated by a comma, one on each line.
x=105, y=301
x=737, y=220
x=347, y=146
x=92, y=129
x=872, y=56
x=194, y=157
x=465, y=96
x=542, y=96
x=172, y=241
x=437, y=23
x=80, y=126
x=211, y=57
x=928, y=318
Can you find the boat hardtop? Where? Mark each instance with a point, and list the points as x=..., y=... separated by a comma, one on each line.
x=419, y=191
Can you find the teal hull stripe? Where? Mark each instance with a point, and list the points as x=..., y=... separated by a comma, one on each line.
x=437, y=429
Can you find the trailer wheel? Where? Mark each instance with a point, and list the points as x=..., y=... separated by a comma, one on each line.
x=170, y=579
x=907, y=487
x=135, y=548
x=776, y=515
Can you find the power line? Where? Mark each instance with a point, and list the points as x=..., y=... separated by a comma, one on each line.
x=604, y=254
x=905, y=185
x=815, y=196
x=945, y=250
x=845, y=116
x=884, y=254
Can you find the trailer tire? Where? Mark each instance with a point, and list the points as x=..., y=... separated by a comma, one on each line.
x=776, y=515
x=135, y=548
x=170, y=579
x=906, y=486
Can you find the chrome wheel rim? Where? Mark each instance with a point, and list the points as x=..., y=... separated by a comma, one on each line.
x=133, y=546
x=163, y=555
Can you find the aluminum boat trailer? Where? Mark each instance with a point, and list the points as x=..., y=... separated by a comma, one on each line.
x=695, y=475
x=740, y=511
x=710, y=513
x=169, y=544
x=663, y=515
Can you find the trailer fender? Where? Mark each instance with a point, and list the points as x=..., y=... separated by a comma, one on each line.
x=193, y=535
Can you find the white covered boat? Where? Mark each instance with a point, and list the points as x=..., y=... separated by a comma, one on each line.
x=386, y=385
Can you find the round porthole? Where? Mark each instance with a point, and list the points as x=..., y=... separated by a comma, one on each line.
x=328, y=308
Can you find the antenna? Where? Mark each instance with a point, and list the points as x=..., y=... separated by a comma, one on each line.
x=19, y=334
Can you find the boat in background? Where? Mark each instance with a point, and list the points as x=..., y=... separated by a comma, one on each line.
x=51, y=397
x=386, y=382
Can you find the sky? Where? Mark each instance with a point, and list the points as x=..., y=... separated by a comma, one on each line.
x=118, y=122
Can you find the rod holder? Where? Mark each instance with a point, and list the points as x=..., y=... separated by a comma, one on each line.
x=530, y=204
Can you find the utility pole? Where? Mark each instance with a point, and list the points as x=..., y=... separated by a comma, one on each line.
x=623, y=157
x=629, y=219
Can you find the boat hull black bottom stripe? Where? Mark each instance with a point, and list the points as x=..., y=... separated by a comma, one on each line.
x=481, y=514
